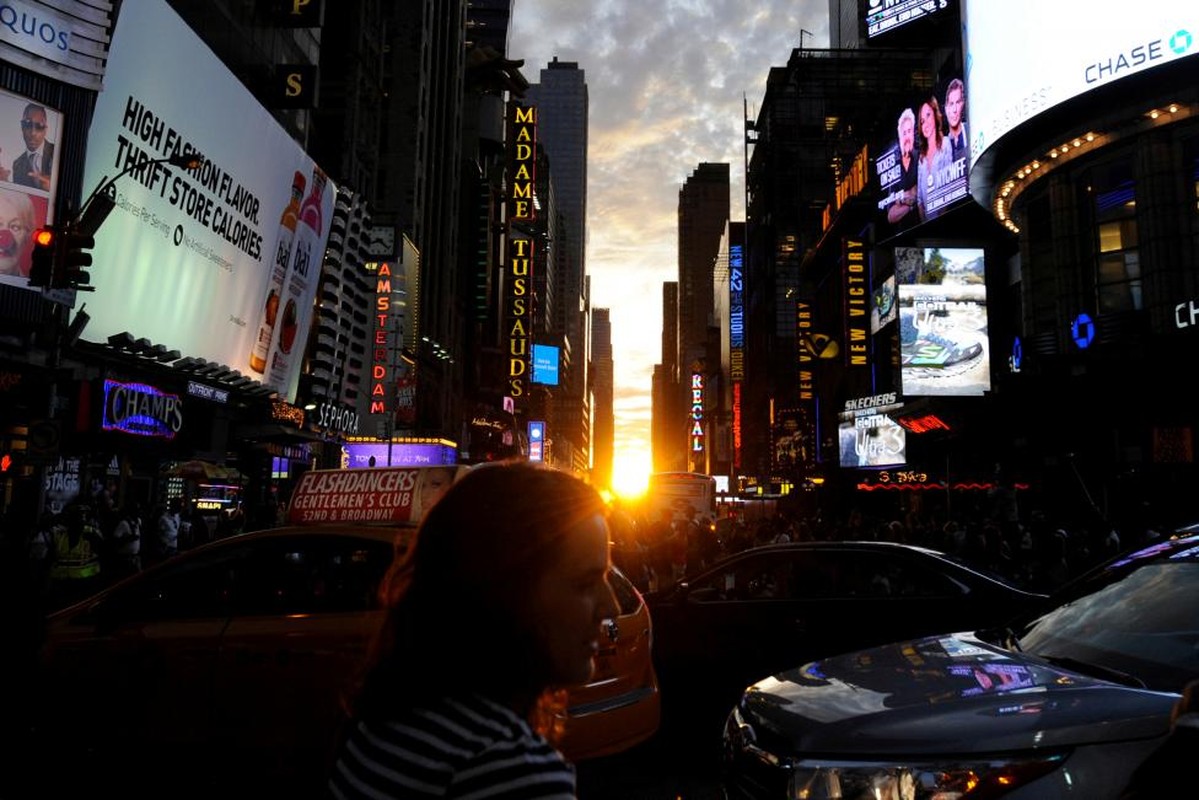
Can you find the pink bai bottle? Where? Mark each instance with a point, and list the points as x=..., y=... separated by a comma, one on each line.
x=282, y=256
x=300, y=284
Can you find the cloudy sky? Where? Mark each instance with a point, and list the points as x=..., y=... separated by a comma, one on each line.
x=668, y=81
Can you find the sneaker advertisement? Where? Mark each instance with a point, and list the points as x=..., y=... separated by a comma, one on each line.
x=942, y=321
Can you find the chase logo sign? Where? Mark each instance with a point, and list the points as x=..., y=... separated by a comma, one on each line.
x=1180, y=42
x=1140, y=55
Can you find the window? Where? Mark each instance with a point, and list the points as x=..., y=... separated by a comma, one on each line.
x=197, y=588
x=312, y=575
x=1118, y=265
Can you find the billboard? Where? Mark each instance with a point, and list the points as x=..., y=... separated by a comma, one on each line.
x=883, y=309
x=220, y=261
x=1075, y=52
x=883, y=16
x=868, y=435
x=545, y=364
x=925, y=169
x=943, y=342
x=358, y=455
x=29, y=133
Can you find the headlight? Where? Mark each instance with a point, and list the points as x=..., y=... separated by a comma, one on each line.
x=969, y=780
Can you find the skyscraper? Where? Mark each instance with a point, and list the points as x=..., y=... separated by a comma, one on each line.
x=703, y=214
x=604, y=432
x=561, y=100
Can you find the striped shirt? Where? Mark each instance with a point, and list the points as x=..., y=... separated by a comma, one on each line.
x=467, y=748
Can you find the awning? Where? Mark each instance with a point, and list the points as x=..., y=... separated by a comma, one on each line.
x=272, y=432
x=202, y=471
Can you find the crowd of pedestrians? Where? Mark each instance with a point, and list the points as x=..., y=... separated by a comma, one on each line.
x=59, y=558
x=1030, y=551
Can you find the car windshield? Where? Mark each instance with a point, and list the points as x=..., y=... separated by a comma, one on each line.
x=1144, y=623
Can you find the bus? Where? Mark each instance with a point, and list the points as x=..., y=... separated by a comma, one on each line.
x=685, y=493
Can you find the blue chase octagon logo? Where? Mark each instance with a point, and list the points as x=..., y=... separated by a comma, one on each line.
x=1082, y=331
x=1181, y=41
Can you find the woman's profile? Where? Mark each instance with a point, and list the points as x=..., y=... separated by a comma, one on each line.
x=495, y=610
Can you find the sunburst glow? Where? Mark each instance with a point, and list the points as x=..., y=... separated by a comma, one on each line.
x=630, y=473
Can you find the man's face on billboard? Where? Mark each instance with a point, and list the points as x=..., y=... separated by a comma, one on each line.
x=33, y=128
x=907, y=135
x=953, y=107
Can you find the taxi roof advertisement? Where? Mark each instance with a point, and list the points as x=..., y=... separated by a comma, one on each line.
x=380, y=495
x=187, y=258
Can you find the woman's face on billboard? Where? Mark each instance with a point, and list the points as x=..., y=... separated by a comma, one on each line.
x=928, y=122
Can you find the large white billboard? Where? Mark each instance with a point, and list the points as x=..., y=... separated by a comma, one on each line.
x=219, y=262
x=1024, y=57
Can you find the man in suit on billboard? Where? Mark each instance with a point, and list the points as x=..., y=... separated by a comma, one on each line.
x=32, y=168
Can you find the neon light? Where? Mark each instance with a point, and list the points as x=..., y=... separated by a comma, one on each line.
x=141, y=409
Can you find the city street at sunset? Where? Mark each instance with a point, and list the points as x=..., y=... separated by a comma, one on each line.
x=684, y=400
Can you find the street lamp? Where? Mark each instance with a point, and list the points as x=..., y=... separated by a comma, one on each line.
x=104, y=197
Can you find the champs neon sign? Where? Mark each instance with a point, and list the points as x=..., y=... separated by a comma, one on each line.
x=142, y=410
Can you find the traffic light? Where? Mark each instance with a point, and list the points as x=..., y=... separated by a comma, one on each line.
x=45, y=245
x=73, y=257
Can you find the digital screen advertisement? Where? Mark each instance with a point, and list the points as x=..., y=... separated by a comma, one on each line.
x=868, y=435
x=220, y=261
x=883, y=308
x=924, y=170
x=397, y=454
x=29, y=133
x=944, y=349
x=545, y=364
x=1076, y=50
x=883, y=16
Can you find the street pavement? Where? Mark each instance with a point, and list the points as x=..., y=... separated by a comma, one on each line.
x=680, y=762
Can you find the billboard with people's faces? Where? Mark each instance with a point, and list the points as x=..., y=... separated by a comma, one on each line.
x=1066, y=52
x=218, y=261
x=29, y=135
x=943, y=335
x=924, y=170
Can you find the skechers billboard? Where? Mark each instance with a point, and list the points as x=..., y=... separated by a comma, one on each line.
x=220, y=261
x=1024, y=57
x=943, y=332
x=924, y=170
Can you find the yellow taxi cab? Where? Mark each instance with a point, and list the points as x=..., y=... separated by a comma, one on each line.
x=227, y=663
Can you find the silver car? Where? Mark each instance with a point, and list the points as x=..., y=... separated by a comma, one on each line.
x=1064, y=704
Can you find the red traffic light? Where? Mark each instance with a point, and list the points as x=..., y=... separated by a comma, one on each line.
x=41, y=269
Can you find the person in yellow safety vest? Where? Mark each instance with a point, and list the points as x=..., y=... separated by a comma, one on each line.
x=75, y=564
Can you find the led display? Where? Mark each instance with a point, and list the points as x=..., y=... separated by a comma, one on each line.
x=1027, y=56
x=869, y=436
x=545, y=364
x=924, y=170
x=944, y=349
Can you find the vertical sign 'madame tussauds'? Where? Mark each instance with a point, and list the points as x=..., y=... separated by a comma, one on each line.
x=521, y=208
